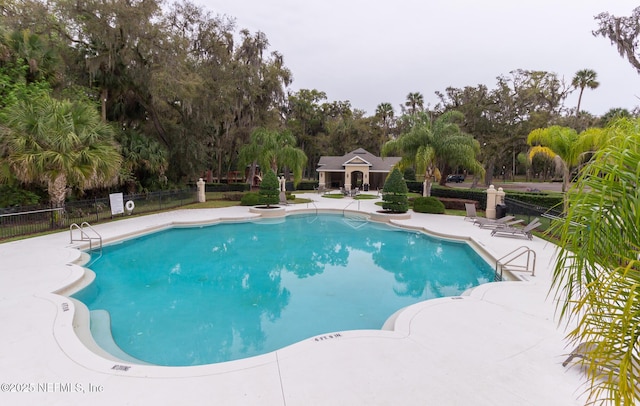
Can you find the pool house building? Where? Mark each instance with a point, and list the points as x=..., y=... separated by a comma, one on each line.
x=356, y=169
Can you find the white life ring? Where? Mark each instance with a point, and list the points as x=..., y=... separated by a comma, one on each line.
x=130, y=205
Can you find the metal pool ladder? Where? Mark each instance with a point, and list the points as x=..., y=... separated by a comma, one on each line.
x=506, y=263
x=84, y=236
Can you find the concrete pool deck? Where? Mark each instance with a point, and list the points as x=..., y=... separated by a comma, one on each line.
x=500, y=344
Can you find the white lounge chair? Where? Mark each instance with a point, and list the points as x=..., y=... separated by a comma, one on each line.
x=580, y=351
x=507, y=221
x=589, y=356
x=511, y=231
x=471, y=211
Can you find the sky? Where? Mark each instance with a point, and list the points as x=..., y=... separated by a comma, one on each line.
x=371, y=51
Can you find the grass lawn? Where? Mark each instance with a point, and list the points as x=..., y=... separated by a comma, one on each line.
x=212, y=204
x=365, y=196
x=216, y=200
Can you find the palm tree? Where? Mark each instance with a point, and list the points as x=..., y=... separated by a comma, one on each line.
x=60, y=143
x=384, y=111
x=144, y=159
x=614, y=114
x=39, y=58
x=273, y=149
x=597, y=276
x=584, y=78
x=415, y=102
x=432, y=144
x=565, y=144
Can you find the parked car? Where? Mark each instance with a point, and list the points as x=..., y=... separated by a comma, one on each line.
x=455, y=178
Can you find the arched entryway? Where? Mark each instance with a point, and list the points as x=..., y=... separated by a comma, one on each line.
x=357, y=179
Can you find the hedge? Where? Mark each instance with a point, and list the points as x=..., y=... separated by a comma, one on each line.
x=428, y=205
x=307, y=185
x=250, y=199
x=414, y=186
x=478, y=195
x=548, y=200
x=554, y=200
x=457, y=204
x=226, y=187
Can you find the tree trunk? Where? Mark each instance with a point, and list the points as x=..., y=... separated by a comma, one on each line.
x=252, y=174
x=57, y=189
x=443, y=179
x=162, y=134
x=565, y=177
x=103, y=103
x=579, y=100
x=426, y=188
x=565, y=186
x=474, y=183
x=428, y=180
x=488, y=179
x=219, y=170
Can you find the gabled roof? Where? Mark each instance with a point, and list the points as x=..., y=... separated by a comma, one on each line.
x=357, y=160
x=359, y=156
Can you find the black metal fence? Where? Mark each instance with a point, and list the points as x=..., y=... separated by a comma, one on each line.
x=528, y=212
x=18, y=221
x=517, y=207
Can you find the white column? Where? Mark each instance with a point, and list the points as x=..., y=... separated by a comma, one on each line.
x=500, y=196
x=490, y=211
x=202, y=197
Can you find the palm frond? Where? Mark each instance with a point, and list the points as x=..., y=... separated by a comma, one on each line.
x=597, y=276
x=544, y=151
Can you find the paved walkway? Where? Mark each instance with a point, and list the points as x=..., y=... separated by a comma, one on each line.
x=498, y=345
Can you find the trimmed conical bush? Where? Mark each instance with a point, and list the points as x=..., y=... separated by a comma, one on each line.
x=270, y=189
x=394, y=193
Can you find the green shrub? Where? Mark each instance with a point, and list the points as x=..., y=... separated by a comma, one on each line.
x=456, y=204
x=307, y=185
x=234, y=197
x=226, y=187
x=14, y=196
x=394, y=193
x=543, y=199
x=478, y=195
x=270, y=189
x=414, y=186
x=428, y=205
x=250, y=199
x=409, y=174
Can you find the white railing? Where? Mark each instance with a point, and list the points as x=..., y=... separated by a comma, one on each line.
x=314, y=205
x=84, y=236
x=352, y=202
x=508, y=262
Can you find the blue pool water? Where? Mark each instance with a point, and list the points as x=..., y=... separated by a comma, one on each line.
x=192, y=296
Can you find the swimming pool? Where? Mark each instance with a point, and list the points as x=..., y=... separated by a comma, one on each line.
x=202, y=295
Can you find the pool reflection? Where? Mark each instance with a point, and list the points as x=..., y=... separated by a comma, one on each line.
x=191, y=296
